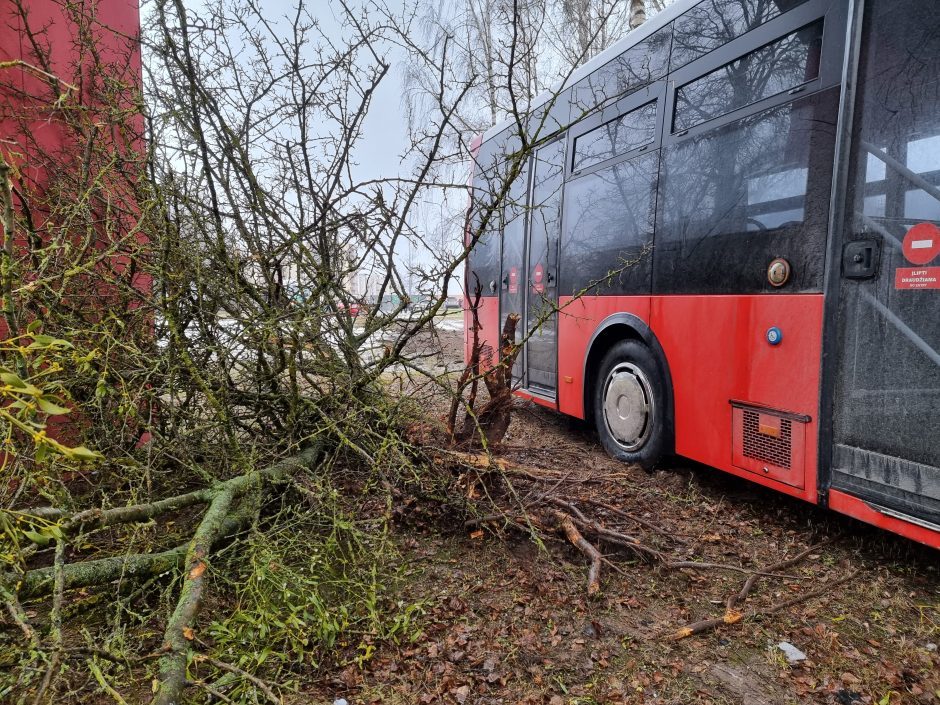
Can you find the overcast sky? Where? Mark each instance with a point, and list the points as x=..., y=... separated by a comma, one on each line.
x=385, y=128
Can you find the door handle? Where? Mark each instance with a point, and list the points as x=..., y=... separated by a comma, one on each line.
x=860, y=259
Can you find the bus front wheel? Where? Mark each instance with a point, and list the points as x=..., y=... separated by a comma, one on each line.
x=630, y=405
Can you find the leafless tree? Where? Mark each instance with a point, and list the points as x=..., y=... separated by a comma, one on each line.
x=178, y=280
x=184, y=293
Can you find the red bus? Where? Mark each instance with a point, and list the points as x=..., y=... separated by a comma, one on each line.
x=723, y=243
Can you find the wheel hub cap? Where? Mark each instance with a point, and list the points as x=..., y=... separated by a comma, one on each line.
x=628, y=406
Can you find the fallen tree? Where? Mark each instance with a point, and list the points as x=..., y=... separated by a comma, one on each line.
x=546, y=513
x=175, y=280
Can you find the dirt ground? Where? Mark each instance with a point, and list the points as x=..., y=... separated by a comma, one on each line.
x=505, y=620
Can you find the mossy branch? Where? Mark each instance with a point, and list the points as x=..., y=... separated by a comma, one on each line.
x=211, y=528
x=105, y=570
x=179, y=628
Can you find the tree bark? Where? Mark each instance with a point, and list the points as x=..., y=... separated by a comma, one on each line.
x=637, y=13
x=493, y=419
x=40, y=581
x=178, y=629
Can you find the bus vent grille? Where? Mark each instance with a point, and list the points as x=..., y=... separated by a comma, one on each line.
x=773, y=449
x=486, y=356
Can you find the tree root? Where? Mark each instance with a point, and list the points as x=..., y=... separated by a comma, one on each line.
x=585, y=532
x=602, y=532
x=588, y=549
x=732, y=615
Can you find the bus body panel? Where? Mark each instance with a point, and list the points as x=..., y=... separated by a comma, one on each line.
x=718, y=352
x=859, y=509
x=488, y=335
x=751, y=366
x=578, y=321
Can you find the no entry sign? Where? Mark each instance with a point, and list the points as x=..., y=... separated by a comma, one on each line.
x=922, y=243
x=538, y=275
x=514, y=280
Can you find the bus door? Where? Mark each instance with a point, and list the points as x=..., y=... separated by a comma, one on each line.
x=541, y=274
x=512, y=287
x=886, y=412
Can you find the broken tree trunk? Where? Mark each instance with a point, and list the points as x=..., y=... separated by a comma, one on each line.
x=490, y=425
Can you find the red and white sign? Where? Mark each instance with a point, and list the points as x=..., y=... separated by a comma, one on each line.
x=914, y=278
x=922, y=243
x=514, y=280
x=538, y=274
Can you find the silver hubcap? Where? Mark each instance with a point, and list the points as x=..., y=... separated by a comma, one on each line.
x=628, y=406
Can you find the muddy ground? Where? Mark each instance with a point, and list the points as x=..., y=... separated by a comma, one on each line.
x=504, y=620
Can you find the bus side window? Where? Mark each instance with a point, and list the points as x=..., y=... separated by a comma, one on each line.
x=637, y=67
x=770, y=70
x=486, y=225
x=609, y=219
x=736, y=197
x=618, y=136
x=712, y=23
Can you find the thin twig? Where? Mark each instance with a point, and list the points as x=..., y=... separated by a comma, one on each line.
x=262, y=686
x=18, y=615
x=733, y=616
x=103, y=682
x=733, y=600
x=586, y=547
x=639, y=520
x=211, y=691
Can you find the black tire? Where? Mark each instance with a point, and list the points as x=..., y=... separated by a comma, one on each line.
x=641, y=431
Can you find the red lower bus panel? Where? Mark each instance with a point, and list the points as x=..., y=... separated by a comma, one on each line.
x=488, y=315
x=718, y=352
x=576, y=325
x=858, y=509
